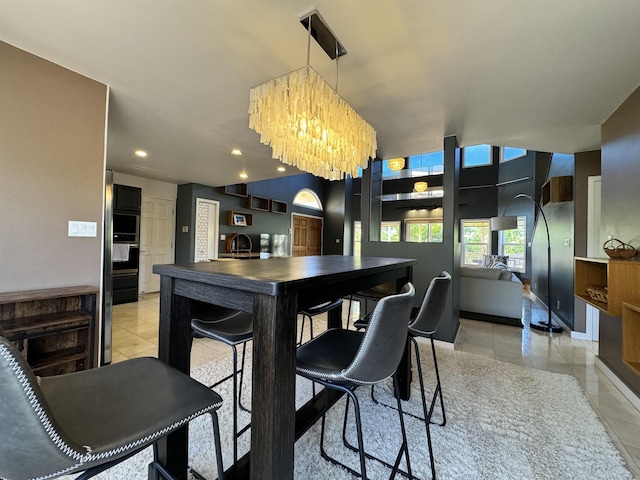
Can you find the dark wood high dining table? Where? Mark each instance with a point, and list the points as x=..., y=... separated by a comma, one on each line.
x=274, y=290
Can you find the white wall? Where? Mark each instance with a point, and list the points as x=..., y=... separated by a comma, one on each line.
x=153, y=188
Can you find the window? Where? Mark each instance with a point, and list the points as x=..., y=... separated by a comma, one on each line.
x=390, y=231
x=513, y=243
x=423, y=230
x=476, y=156
x=357, y=239
x=511, y=153
x=427, y=164
x=307, y=198
x=476, y=241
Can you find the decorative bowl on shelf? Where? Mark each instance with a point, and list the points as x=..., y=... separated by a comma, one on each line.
x=617, y=249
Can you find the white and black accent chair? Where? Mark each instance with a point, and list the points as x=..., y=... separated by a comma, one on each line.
x=91, y=420
x=343, y=360
x=232, y=327
x=314, y=311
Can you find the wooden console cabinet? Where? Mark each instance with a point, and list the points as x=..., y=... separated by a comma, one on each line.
x=54, y=328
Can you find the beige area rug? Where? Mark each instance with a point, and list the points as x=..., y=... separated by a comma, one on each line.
x=503, y=422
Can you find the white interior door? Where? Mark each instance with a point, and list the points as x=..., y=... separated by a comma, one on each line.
x=157, y=230
x=594, y=248
x=206, y=231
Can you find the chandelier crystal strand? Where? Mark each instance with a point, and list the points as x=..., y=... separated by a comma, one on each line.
x=309, y=126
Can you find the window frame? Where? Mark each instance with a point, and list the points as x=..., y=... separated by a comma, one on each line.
x=389, y=224
x=501, y=244
x=502, y=155
x=464, y=243
x=419, y=221
x=464, y=156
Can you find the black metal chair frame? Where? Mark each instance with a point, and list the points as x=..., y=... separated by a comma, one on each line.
x=351, y=397
x=437, y=305
x=207, y=328
x=342, y=360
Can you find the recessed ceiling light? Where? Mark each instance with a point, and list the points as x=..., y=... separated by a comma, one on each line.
x=236, y=151
x=244, y=175
x=281, y=169
x=141, y=153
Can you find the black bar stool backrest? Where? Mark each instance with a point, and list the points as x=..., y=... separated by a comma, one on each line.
x=430, y=313
x=384, y=340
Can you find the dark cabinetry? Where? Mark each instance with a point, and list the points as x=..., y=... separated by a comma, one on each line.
x=126, y=236
x=54, y=328
x=126, y=199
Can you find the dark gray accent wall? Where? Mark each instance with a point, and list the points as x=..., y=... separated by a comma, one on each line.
x=620, y=218
x=283, y=189
x=560, y=219
x=432, y=258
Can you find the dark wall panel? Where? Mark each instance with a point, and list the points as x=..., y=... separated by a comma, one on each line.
x=620, y=218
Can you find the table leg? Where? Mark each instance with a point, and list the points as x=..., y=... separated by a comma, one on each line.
x=174, y=349
x=273, y=395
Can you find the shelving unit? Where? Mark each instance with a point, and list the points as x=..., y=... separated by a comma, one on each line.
x=278, y=206
x=621, y=277
x=557, y=190
x=237, y=190
x=631, y=335
x=231, y=215
x=258, y=203
x=54, y=328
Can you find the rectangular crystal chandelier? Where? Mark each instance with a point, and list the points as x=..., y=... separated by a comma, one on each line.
x=309, y=126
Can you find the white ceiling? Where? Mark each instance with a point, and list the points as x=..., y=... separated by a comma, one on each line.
x=536, y=74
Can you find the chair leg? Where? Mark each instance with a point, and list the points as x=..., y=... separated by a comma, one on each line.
x=360, y=450
x=236, y=400
x=244, y=351
x=404, y=447
x=217, y=444
x=438, y=384
x=427, y=412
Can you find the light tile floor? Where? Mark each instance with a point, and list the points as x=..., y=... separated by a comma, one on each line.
x=135, y=333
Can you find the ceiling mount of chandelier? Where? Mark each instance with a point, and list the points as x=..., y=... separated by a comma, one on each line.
x=305, y=121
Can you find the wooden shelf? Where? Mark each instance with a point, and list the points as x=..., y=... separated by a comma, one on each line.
x=621, y=277
x=557, y=190
x=232, y=216
x=631, y=335
x=237, y=190
x=278, y=206
x=258, y=203
x=54, y=328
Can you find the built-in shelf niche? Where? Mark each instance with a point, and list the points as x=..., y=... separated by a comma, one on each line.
x=631, y=335
x=621, y=277
x=237, y=190
x=258, y=203
x=557, y=190
x=232, y=219
x=278, y=206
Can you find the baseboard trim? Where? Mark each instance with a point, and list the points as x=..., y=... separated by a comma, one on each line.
x=483, y=317
x=619, y=384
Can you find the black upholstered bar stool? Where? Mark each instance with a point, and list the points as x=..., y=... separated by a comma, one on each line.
x=342, y=360
x=425, y=324
x=91, y=420
x=373, y=294
x=314, y=311
x=232, y=327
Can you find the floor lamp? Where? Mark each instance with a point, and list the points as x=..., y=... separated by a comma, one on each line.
x=511, y=223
